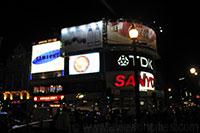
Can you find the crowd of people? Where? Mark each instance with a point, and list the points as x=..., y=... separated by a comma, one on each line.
x=78, y=119
x=74, y=120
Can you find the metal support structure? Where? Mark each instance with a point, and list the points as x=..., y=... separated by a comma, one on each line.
x=137, y=91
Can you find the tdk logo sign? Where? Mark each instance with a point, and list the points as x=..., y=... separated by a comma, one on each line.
x=47, y=57
x=143, y=61
x=123, y=60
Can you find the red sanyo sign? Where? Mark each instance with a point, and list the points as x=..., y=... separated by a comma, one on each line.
x=146, y=81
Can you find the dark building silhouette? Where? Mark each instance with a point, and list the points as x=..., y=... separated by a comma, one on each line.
x=2, y=74
x=17, y=70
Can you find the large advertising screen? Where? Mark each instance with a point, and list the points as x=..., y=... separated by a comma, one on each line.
x=46, y=58
x=118, y=33
x=82, y=37
x=84, y=63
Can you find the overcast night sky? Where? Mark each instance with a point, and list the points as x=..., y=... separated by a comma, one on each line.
x=25, y=22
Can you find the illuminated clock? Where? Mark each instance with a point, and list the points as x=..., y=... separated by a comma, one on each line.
x=81, y=64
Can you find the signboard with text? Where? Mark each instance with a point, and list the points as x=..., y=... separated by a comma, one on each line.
x=127, y=61
x=47, y=58
x=126, y=80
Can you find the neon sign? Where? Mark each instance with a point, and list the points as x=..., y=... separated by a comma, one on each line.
x=48, y=98
x=125, y=61
x=146, y=81
x=47, y=57
x=48, y=89
x=122, y=81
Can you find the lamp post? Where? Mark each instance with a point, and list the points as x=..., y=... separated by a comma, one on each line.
x=133, y=34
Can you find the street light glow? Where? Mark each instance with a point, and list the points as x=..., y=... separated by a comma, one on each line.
x=80, y=96
x=193, y=70
x=133, y=33
x=141, y=103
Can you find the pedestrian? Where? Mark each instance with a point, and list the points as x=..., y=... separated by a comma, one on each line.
x=63, y=121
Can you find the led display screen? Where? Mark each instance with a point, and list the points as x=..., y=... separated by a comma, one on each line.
x=46, y=58
x=84, y=63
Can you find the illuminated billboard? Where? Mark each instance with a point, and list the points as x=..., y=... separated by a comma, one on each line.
x=82, y=37
x=123, y=80
x=84, y=63
x=126, y=80
x=146, y=81
x=46, y=58
x=48, y=98
x=127, y=61
x=118, y=33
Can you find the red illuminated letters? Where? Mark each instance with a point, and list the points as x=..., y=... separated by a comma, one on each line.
x=146, y=81
x=121, y=81
x=130, y=81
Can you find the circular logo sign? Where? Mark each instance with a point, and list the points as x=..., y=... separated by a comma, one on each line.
x=81, y=64
x=123, y=60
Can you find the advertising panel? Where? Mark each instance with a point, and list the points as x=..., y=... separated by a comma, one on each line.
x=48, y=98
x=126, y=80
x=47, y=89
x=118, y=33
x=126, y=61
x=82, y=37
x=46, y=58
x=84, y=63
x=146, y=81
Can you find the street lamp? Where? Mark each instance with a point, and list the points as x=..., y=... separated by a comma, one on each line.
x=193, y=71
x=133, y=34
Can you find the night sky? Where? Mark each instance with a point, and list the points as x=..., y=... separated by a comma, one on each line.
x=28, y=21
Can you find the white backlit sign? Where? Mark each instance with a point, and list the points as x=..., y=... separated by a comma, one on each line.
x=84, y=63
x=46, y=58
x=146, y=81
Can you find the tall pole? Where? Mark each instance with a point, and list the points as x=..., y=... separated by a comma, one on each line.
x=133, y=33
x=137, y=91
